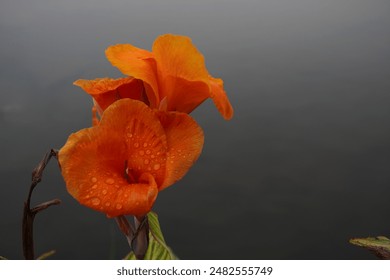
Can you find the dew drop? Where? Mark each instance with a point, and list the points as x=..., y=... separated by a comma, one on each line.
x=156, y=166
x=95, y=201
x=141, y=153
x=146, y=161
x=136, y=145
x=94, y=179
x=107, y=204
x=148, y=152
x=117, y=186
x=152, y=156
x=149, y=168
x=104, y=192
x=129, y=135
x=145, y=145
x=94, y=186
x=110, y=181
x=118, y=206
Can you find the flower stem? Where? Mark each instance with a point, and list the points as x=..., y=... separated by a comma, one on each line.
x=141, y=239
x=126, y=228
x=138, y=237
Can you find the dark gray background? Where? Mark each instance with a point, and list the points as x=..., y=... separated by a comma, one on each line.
x=303, y=166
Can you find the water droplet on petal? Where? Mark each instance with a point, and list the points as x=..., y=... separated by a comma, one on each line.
x=152, y=156
x=110, y=181
x=94, y=179
x=146, y=161
x=129, y=135
x=118, y=206
x=148, y=152
x=95, y=201
x=117, y=186
x=104, y=192
x=107, y=204
x=141, y=153
x=156, y=166
x=94, y=186
x=145, y=145
x=136, y=145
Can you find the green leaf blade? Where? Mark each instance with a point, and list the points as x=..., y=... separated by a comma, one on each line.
x=380, y=245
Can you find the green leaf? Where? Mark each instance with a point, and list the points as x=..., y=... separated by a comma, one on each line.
x=380, y=245
x=157, y=249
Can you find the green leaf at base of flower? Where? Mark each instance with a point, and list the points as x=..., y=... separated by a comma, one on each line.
x=380, y=245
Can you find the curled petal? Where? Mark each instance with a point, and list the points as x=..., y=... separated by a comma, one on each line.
x=137, y=63
x=182, y=72
x=220, y=99
x=106, y=91
x=185, y=142
x=183, y=77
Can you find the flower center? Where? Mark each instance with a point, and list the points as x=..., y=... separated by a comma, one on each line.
x=129, y=174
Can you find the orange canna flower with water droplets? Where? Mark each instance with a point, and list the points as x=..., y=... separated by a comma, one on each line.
x=118, y=166
x=172, y=77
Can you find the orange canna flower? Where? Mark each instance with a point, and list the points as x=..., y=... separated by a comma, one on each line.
x=119, y=166
x=172, y=77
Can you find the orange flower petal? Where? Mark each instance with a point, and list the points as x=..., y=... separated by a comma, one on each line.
x=137, y=63
x=220, y=99
x=185, y=142
x=187, y=95
x=106, y=91
x=183, y=76
x=117, y=166
x=182, y=72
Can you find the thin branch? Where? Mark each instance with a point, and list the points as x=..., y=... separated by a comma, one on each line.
x=28, y=213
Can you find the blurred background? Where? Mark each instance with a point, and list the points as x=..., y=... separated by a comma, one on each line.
x=301, y=168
